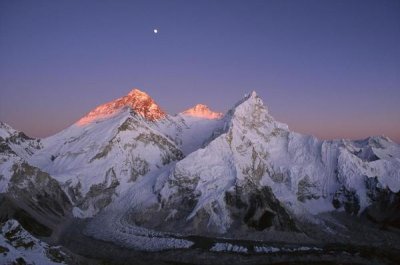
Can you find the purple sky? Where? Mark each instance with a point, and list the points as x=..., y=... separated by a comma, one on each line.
x=327, y=68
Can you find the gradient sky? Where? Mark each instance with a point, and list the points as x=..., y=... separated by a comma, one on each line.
x=327, y=68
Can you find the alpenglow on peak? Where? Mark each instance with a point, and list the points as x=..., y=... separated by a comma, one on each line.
x=202, y=111
x=136, y=99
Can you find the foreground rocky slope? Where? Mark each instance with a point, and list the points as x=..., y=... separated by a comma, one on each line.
x=17, y=246
x=27, y=193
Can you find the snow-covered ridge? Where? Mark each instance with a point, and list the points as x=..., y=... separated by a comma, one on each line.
x=19, y=143
x=6, y=130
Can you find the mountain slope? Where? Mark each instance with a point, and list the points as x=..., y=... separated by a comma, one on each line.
x=95, y=161
x=27, y=193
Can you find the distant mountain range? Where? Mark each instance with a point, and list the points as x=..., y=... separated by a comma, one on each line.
x=141, y=178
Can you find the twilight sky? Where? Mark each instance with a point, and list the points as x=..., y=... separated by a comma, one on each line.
x=327, y=68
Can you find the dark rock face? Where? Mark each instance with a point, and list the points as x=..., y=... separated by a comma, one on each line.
x=34, y=199
x=31, y=224
x=184, y=200
x=169, y=151
x=306, y=190
x=99, y=195
x=5, y=148
x=347, y=199
x=140, y=167
x=258, y=208
x=32, y=196
x=385, y=204
x=19, y=138
x=74, y=192
x=38, y=190
x=251, y=209
x=366, y=154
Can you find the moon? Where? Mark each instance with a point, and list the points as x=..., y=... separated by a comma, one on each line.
x=155, y=31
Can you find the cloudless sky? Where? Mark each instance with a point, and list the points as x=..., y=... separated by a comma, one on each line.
x=327, y=68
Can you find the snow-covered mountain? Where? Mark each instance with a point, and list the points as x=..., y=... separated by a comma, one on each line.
x=142, y=173
x=95, y=161
x=102, y=154
x=258, y=171
x=254, y=174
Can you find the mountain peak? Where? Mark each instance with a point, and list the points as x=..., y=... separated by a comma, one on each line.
x=251, y=110
x=139, y=94
x=136, y=99
x=202, y=111
x=252, y=96
x=250, y=99
x=6, y=130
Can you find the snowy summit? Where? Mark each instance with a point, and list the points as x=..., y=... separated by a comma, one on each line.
x=136, y=99
x=202, y=111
